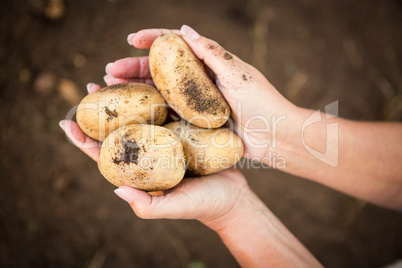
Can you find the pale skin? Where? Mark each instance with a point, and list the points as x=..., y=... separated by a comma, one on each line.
x=368, y=166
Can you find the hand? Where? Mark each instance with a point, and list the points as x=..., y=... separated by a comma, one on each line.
x=256, y=105
x=222, y=201
x=206, y=198
x=272, y=128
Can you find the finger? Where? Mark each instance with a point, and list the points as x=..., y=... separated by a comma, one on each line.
x=109, y=80
x=133, y=67
x=137, y=80
x=92, y=87
x=214, y=56
x=145, y=38
x=175, y=205
x=78, y=138
x=173, y=116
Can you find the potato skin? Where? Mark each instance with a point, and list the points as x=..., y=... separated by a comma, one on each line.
x=109, y=108
x=207, y=150
x=146, y=157
x=182, y=80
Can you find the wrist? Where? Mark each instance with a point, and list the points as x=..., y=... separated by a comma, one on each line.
x=311, y=141
x=256, y=238
x=285, y=138
x=246, y=203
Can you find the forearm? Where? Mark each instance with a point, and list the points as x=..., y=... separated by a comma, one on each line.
x=256, y=238
x=365, y=157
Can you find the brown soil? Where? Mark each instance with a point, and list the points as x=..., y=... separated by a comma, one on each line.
x=56, y=210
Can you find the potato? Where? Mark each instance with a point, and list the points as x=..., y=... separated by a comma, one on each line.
x=182, y=80
x=207, y=150
x=146, y=157
x=109, y=108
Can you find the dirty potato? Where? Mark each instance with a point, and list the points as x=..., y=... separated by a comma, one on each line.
x=109, y=108
x=146, y=157
x=182, y=80
x=207, y=150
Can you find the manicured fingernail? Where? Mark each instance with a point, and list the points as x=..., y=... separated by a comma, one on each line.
x=109, y=79
x=218, y=84
x=89, y=85
x=129, y=37
x=61, y=124
x=107, y=68
x=124, y=193
x=189, y=32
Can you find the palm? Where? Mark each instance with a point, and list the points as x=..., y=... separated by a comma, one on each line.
x=203, y=198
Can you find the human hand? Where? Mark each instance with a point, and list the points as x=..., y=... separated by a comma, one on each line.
x=257, y=107
x=222, y=201
x=206, y=198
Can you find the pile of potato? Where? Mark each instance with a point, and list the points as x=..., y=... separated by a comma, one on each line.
x=136, y=150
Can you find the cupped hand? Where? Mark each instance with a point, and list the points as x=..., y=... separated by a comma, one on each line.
x=261, y=115
x=207, y=198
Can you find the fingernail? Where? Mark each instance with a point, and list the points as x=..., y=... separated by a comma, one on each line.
x=189, y=32
x=218, y=84
x=61, y=124
x=89, y=85
x=105, y=78
x=129, y=37
x=124, y=194
x=107, y=68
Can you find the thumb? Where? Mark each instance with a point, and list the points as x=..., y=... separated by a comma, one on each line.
x=214, y=56
x=146, y=206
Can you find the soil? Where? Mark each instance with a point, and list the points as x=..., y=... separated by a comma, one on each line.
x=56, y=210
x=129, y=152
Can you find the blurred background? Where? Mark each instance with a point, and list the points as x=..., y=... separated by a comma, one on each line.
x=56, y=210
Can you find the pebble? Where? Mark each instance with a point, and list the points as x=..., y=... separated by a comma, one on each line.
x=69, y=91
x=45, y=83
